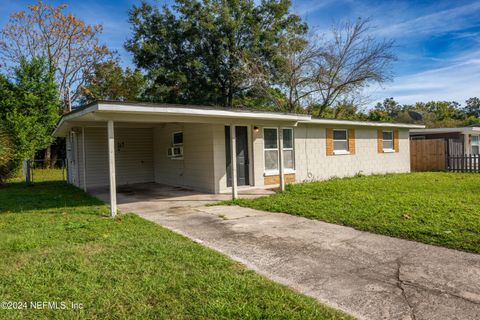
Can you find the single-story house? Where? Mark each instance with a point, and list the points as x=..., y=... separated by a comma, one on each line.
x=217, y=150
x=459, y=141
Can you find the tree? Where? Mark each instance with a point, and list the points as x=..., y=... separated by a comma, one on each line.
x=7, y=156
x=110, y=82
x=327, y=69
x=29, y=107
x=388, y=110
x=70, y=47
x=195, y=52
x=472, y=107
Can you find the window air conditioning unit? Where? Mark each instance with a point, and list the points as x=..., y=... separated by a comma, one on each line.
x=175, y=152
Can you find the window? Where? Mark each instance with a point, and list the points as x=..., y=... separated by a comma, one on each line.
x=475, y=145
x=270, y=142
x=340, y=140
x=288, y=154
x=387, y=139
x=177, y=138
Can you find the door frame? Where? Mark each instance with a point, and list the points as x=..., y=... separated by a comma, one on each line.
x=251, y=181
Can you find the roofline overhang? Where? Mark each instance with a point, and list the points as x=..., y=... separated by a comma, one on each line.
x=362, y=123
x=102, y=111
x=463, y=130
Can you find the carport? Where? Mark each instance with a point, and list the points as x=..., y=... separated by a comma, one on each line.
x=205, y=149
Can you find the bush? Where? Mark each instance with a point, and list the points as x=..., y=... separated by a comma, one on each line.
x=8, y=163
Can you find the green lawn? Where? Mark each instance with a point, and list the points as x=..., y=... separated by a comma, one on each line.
x=57, y=245
x=437, y=208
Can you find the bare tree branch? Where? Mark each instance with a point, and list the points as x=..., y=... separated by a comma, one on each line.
x=69, y=45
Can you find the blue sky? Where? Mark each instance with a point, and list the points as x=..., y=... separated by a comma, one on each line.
x=437, y=42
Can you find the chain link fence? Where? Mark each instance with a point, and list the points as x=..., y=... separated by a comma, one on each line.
x=41, y=170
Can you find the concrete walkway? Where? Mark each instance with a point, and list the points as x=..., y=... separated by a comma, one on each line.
x=366, y=275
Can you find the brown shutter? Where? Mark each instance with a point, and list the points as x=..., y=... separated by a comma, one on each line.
x=351, y=141
x=380, y=141
x=395, y=140
x=329, y=141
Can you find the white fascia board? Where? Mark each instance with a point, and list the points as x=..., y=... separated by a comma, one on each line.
x=463, y=130
x=71, y=116
x=362, y=123
x=172, y=110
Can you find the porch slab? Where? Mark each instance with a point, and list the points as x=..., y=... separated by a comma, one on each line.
x=154, y=196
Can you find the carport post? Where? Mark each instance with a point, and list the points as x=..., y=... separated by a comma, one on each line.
x=233, y=149
x=280, y=159
x=111, y=167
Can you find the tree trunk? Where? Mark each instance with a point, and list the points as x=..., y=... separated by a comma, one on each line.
x=54, y=156
x=47, y=157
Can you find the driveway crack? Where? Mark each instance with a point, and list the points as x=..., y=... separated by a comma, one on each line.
x=400, y=285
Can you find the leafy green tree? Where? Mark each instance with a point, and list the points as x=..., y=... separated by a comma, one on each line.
x=7, y=156
x=472, y=107
x=257, y=99
x=196, y=51
x=110, y=82
x=29, y=107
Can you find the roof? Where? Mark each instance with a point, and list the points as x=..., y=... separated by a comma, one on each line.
x=468, y=129
x=363, y=123
x=101, y=111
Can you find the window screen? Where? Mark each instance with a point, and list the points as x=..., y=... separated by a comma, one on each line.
x=340, y=142
x=388, y=140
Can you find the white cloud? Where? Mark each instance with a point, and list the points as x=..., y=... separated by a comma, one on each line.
x=457, y=81
x=438, y=22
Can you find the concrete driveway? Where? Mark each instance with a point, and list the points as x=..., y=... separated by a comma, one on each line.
x=366, y=275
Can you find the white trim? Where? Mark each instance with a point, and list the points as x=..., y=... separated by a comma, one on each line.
x=106, y=109
x=361, y=123
x=463, y=130
x=84, y=157
x=281, y=173
x=340, y=152
x=275, y=172
x=192, y=111
x=388, y=150
x=73, y=115
x=111, y=168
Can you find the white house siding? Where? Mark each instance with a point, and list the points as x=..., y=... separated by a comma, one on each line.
x=133, y=156
x=196, y=169
x=312, y=163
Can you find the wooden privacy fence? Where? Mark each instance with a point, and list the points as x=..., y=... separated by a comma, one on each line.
x=428, y=155
x=463, y=163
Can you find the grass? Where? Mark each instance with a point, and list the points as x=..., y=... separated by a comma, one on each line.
x=47, y=174
x=436, y=208
x=58, y=245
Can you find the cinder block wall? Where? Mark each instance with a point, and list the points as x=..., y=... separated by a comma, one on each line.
x=312, y=162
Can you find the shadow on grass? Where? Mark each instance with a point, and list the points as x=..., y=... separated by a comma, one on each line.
x=48, y=197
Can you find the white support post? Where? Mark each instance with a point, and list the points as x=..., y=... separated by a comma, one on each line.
x=111, y=166
x=280, y=159
x=233, y=151
x=84, y=157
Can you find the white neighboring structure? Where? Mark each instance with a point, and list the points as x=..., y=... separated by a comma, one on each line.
x=191, y=146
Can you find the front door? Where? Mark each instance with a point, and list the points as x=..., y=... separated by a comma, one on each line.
x=241, y=135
